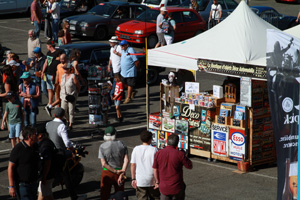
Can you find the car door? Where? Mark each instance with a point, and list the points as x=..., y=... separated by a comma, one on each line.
x=8, y=6
x=180, y=25
x=22, y=4
x=117, y=19
x=192, y=24
x=100, y=56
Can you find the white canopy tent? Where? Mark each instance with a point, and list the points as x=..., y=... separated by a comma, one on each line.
x=294, y=31
x=241, y=39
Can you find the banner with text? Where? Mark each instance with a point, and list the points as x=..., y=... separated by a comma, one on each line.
x=283, y=73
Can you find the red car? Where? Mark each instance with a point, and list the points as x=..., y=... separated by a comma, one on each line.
x=188, y=24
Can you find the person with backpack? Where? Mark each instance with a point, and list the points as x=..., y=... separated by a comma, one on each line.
x=168, y=28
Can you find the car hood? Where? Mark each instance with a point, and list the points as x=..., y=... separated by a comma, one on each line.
x=134, y=25
x=88, y=18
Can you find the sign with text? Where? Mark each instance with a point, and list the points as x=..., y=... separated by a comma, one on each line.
x=237, y=144
x=154, y=122
x=219, y=139
x=192, y=87
x=245, y=92
x=193, y=117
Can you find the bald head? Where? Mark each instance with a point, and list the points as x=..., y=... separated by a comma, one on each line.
x=63, y=58
x=31, y=33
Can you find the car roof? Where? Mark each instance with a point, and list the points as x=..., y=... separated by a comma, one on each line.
x=83, y=46
x=174, y=9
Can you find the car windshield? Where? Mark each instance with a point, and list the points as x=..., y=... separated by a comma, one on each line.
x=148, y=16
x=154, y=2
x=68, y=4
x=202, y=4
x=104, y=10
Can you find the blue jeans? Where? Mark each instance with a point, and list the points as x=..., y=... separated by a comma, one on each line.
x=37, y=28
x=55, y=28
x=30, y=116
x=50, y=85
x=27, y=191
x=14, y=130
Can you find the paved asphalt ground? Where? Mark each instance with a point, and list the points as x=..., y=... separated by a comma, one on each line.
x=207, y=180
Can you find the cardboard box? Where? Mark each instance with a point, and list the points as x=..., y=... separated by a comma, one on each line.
x=218, y=91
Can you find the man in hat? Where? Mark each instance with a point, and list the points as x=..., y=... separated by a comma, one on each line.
x=15, y=66
x=32, y=43
x=113, y=155
x=129, y=65
x=160, y=35
x=29, y=92
x=14, y=113
x=114, y=60
x=49, y=69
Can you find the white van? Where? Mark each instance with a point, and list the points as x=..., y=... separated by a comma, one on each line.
x=14, y=6
x=161, y=3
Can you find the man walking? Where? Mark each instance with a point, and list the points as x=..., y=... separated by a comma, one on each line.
x=129, y=65
x=167, y=169
x=160, y=35
x=113, y=155
x=23, y=167
x=142, y=158
x=36, y=17
x=55, y=14
x=32, y=43
x=215, y=14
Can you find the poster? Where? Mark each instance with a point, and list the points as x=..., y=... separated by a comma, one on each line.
x=192, y=116
x=154, y=122
x=283, y=85
x=168, y=124
x=182, y=127
x=219, y=139
x=154, y=137
x=183, y=141
x=245, y=92
x=192, y=87
x=236, y=143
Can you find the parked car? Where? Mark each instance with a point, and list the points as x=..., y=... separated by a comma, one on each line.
x=188, y=24
x=98, y=54
x=288, y=1
x=278, y=20
x=161, y=3
x=102, y=20
x=15, y=6
x=205, y=6
x=72, y=7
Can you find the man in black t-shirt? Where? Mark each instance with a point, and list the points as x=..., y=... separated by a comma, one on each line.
x=49, y=69
x=23, y=167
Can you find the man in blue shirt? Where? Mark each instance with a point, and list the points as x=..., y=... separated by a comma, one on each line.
x=129, y=65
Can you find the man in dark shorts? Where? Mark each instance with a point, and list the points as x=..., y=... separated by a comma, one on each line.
x=129, y=65
x=160, y=35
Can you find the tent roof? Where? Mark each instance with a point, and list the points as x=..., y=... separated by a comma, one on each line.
x=240, y=38
x=294, y=31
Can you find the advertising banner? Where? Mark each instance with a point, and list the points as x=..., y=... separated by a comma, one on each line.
x=219, y=139
x=154, y=122
x=283, y=73
x=236, y=143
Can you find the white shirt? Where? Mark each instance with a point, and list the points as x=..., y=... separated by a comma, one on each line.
x=62, y=132
x=56, y=10
x=143, y=157
x=115, y=59
x=216, y=9
x=159, y=20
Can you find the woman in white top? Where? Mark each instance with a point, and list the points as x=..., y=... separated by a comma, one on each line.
x=69, y=87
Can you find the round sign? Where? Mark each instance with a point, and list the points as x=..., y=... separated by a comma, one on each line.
x=238, y=139
x=287, y=104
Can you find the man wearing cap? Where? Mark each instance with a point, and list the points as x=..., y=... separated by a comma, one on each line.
x=113, y=155
x=23, y=167
x=32, y=43
x=129, y=65
x=15, y=66
x=160, y=35
x=49, y=69
x=114, y=59
x=30, y=94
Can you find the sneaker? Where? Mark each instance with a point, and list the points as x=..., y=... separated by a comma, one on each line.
x=134, y=92
x=48, y=110
x=81, y=197
x=127, y=100
x=6, y=141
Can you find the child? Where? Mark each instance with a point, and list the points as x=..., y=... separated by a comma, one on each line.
x=118, y=96
x=60, y=35
x=14, y=112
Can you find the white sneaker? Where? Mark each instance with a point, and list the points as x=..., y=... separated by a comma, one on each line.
x=81, y=197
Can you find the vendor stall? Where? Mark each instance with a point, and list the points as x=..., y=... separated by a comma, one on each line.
x=234, y=127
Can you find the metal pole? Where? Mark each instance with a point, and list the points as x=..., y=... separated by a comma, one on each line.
x=147, y=86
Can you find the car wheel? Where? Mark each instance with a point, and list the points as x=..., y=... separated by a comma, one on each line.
x=152, y=41
x=198, y=32
x=84, y=88
x=101, y=33
x=152, y=76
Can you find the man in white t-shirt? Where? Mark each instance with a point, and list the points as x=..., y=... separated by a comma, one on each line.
x=160, y=35
x=215, y=13
x=142, y=159
x=55, y=14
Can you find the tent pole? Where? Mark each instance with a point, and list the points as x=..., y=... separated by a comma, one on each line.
x=147, y=85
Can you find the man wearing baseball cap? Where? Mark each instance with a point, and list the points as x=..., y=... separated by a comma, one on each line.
x=113, y=155
x=129, y=65
x=159, y=33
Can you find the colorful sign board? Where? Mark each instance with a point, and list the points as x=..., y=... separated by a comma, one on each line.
x=154, y=122
x=219, y=139
x=236, y=144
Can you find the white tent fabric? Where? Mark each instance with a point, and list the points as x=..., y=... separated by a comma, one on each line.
x=294, y=31
x=240, y=38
